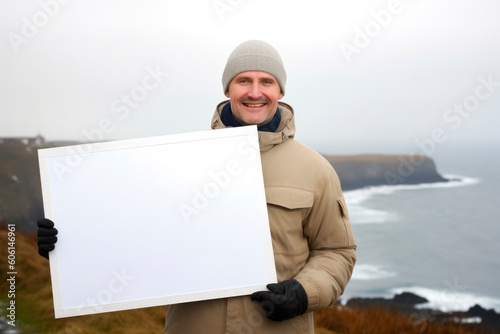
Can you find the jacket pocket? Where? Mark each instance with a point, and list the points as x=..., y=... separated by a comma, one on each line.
x=290, y=198
x=288, y=208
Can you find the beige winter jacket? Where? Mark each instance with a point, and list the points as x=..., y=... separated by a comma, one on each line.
x=311, y=235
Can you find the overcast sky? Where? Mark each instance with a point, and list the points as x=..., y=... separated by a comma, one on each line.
x=363, y=76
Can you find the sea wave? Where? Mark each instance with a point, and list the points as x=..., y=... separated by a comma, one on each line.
x=370, y=272
x=447, y=300
x=357, y=196
x=361, y=215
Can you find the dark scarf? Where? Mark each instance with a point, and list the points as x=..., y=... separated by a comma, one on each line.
x=228, y=119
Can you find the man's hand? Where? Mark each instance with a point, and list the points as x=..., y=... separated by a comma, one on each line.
x=286, y=300
x=46, y=237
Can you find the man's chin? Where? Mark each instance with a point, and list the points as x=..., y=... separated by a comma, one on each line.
x=253, y=118
x=257, y=122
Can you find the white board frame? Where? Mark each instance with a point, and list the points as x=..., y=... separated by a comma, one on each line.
x=68, y=172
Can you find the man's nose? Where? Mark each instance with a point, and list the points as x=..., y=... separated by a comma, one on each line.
x=254, y=91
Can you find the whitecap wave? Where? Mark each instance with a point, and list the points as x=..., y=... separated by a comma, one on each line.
x=370, y=272
x=362, y=215
x=357, y=196
x=447, y=300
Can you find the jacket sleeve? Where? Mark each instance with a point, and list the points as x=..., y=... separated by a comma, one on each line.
x=331, y=246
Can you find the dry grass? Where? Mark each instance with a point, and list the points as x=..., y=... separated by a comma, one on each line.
x=34, y=308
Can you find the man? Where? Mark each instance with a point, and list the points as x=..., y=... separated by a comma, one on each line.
x=313, y=245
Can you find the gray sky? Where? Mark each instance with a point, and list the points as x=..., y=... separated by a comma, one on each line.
x=363, y=76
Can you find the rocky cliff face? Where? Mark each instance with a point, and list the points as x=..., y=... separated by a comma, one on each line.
x=375, y=170
x=20, y=189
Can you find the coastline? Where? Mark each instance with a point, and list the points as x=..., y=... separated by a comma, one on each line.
x=20, y=177
x=421, y=304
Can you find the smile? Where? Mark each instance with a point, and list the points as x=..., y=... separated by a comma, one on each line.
x=256, y=105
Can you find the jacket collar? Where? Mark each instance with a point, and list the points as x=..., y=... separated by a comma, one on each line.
x=267, y=140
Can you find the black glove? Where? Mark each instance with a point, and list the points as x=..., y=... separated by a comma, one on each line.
x=286, y=300
x=46, y=237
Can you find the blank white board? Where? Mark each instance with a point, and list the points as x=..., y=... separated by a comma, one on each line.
x=157, y=221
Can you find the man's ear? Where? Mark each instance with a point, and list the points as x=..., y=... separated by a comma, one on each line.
x=281, y=95
x=227, y=93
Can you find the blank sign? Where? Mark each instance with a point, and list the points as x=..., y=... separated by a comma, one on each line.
x=157, y=221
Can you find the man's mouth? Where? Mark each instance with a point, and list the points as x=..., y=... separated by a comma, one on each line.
x=254, y=105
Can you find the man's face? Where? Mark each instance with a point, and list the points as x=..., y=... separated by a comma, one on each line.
x=254, y=97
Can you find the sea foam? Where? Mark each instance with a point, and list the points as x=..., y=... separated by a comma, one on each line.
x=448, y=300
x=370, y=272
x=362, y=215
x=358, y=196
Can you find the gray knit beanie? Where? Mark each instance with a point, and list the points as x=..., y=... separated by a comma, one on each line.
x=254, y=55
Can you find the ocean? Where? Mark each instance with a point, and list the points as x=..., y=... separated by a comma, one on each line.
x=440, y=241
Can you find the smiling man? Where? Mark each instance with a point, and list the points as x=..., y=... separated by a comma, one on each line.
x=313, y=245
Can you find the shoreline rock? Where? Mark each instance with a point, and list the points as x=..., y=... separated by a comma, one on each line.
x=407, y=302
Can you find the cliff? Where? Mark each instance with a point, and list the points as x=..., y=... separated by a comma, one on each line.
x=20, y=189
x=376, y=170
